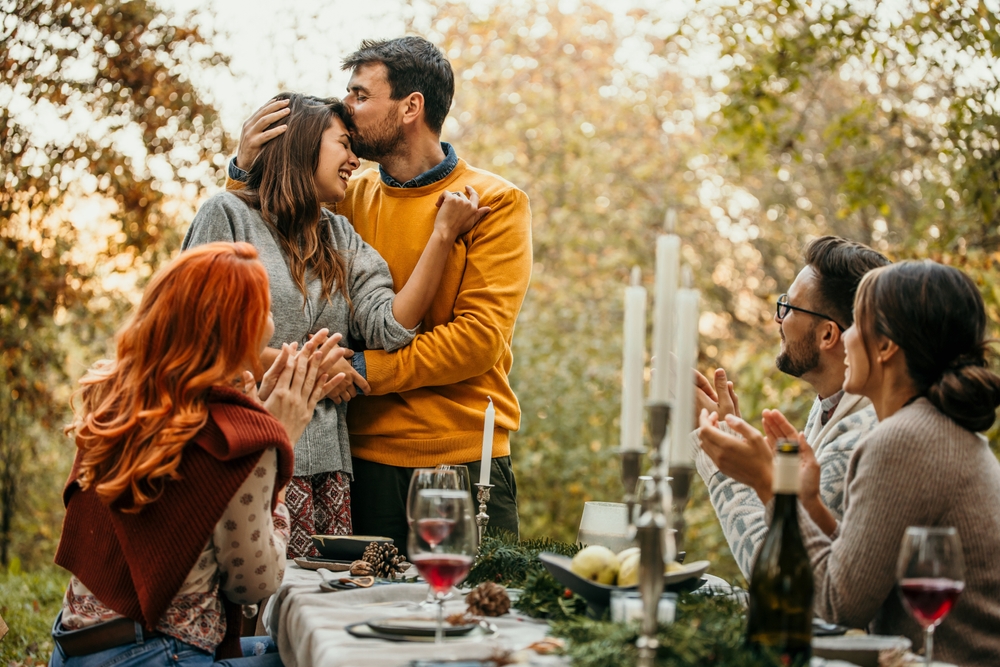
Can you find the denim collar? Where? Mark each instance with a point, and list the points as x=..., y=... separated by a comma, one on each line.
x=432, y=175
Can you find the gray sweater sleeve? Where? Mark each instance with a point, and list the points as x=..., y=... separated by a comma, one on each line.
x=214, y=221
x=369, y=285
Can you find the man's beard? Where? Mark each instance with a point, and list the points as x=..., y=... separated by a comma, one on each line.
x=379, y=142
x=800, y=357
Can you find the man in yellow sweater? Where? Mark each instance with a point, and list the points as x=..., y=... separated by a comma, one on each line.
x=426, y=401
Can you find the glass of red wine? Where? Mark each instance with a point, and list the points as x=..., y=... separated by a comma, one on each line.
x=442, y=542
x=931, y=574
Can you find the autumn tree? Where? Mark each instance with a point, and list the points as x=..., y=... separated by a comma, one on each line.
x=104, y=141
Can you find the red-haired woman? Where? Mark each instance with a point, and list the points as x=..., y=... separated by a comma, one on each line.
x=173, y=508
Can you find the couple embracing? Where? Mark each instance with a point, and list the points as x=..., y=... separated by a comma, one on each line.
x=421, y=266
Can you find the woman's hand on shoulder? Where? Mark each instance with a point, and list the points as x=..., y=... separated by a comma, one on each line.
x=458, y=213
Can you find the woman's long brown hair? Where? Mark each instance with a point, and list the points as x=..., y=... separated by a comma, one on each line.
x=199, y=324
x=282, y=187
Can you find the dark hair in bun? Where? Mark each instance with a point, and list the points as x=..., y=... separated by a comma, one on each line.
x=936, y=315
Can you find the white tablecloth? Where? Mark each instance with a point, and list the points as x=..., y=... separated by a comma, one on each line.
x=308, y=626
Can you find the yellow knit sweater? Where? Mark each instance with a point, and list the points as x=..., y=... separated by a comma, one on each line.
x=428, y=399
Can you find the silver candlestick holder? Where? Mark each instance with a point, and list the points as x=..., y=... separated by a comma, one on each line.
x=651, y=528
x=483, y=496
x=680, y=487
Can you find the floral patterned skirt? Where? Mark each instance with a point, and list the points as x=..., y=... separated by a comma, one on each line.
x=318, y=505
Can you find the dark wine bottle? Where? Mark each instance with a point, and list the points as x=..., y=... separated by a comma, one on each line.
x=780, y=618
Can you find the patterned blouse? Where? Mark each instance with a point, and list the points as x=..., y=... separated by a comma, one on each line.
x=244, y=557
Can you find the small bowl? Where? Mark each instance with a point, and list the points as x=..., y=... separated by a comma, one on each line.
x=346, y=547
x=598, y=596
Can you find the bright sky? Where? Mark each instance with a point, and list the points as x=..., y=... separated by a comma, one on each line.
x=298, y=46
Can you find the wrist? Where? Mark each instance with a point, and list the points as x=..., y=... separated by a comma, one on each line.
x=765, y=490
x=442, y=237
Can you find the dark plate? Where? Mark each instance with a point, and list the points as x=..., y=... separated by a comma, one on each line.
x=311, y=563
x=364, y=631
x=345, y=547
x=598, y=596
x=416, y=626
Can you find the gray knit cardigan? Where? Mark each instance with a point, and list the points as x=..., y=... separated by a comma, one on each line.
x=324, y=446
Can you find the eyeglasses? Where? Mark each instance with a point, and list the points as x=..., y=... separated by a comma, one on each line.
x=784, y=308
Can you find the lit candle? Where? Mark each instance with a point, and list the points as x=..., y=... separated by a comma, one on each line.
x=633, y=350
x=668, y=252
x=484, y=466
x=682, y=415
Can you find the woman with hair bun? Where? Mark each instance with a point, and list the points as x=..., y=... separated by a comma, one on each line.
x=918, y=351
x=175, y=512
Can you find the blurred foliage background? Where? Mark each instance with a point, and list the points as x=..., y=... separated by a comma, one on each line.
x=760, y=123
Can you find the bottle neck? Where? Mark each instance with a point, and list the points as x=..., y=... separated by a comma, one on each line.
x=786, y=474
x=785, y=506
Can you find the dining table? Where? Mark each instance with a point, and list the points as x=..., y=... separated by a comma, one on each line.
x=310, y=626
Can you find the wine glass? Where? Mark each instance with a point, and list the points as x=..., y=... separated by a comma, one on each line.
x=429, y=478
x=442, y=543
x=931, y=577
x=464, y=481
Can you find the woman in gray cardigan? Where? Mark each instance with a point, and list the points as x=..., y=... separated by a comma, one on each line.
x=325, y=280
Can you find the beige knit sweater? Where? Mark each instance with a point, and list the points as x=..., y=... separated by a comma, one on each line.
x=917, y=468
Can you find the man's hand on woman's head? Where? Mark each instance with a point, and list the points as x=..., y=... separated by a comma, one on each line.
x=255, y=133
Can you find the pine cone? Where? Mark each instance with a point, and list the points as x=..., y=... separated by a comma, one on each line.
x=362, y=568
x=384, y=559
x=488, y=599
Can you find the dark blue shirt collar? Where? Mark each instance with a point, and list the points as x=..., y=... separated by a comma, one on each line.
x=432, y=175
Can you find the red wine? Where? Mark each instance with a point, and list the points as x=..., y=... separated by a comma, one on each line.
x=442, y=571
x=434, y=531
x=930, y=600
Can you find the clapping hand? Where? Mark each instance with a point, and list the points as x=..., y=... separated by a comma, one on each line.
x=750, y=460
x=719, y=397
x=293, y=385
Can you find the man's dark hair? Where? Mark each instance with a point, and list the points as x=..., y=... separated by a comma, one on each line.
x=414, y=66
x=841, y=264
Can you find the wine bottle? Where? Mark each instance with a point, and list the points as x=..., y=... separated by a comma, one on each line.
x=781, y=585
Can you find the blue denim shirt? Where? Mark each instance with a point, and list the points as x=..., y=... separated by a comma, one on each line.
x=436, y=173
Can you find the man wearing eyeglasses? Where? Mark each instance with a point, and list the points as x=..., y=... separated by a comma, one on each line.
x=735, y=459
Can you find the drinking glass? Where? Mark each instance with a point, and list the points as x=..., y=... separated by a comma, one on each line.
x=442, y=542
x=931, y=577
x=605, y=524
x=464, y=481
x=429, y=478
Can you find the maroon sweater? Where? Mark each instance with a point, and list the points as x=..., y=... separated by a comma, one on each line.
x=136, y=563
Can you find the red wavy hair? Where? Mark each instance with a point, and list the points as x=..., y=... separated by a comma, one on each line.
x=199, y=324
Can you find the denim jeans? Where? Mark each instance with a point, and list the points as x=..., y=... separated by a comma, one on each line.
x=166, y=651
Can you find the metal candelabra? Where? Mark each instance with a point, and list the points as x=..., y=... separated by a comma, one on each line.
x=483, y=496
x=652, y=528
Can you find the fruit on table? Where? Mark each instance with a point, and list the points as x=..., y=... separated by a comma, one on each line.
x=596, y=563
x=628, y=573
x=622, y=555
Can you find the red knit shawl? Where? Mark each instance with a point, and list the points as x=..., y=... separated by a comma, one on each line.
x=136, y=563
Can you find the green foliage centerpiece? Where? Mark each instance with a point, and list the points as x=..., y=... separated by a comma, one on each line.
x=709, y=629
